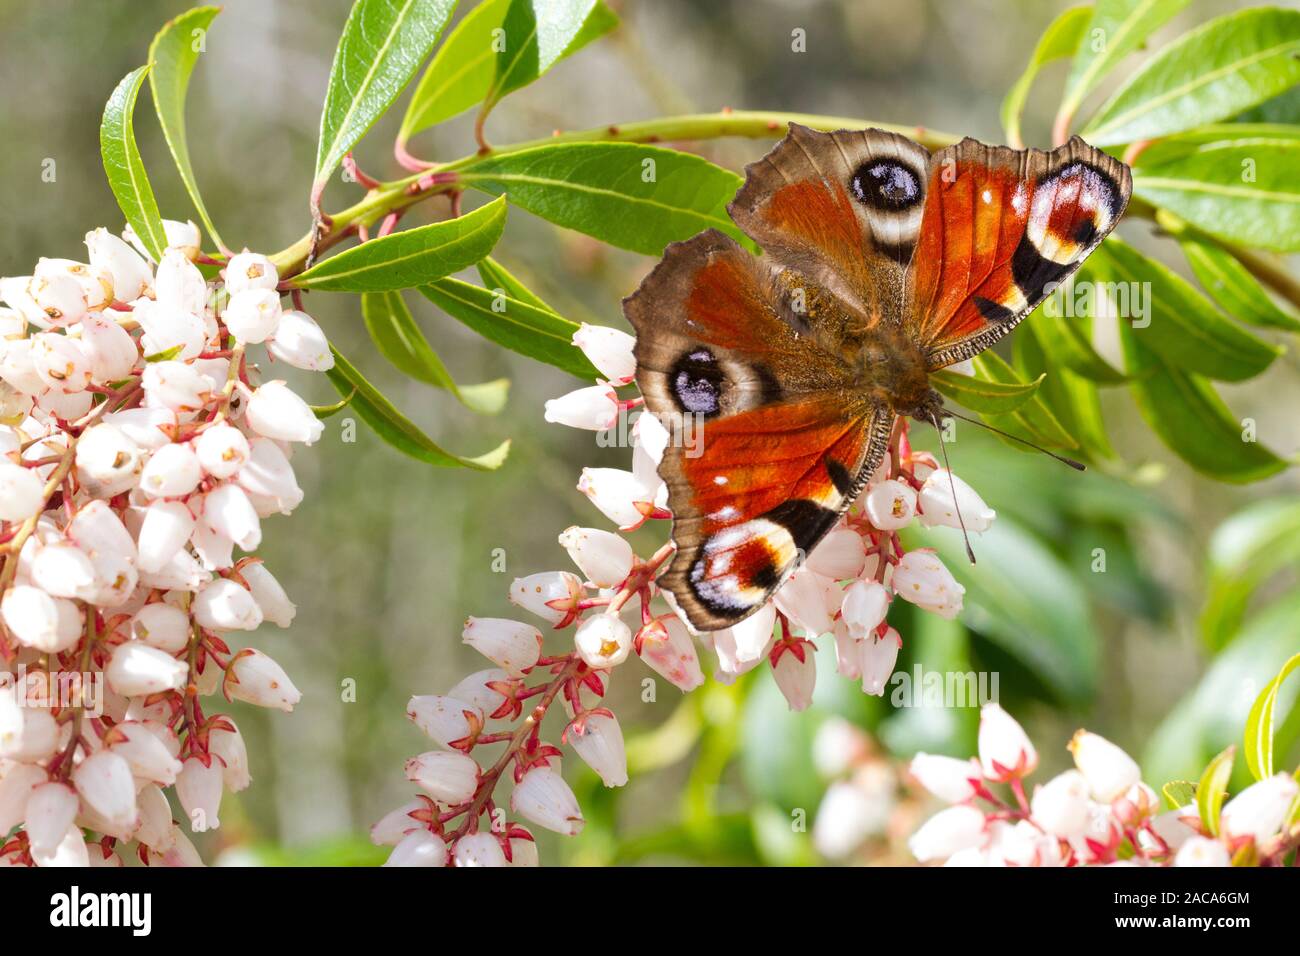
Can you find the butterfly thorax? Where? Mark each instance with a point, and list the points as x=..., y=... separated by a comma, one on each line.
x=891, y=370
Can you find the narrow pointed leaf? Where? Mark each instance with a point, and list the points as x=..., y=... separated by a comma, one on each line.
x=522, y=328
x=383, y=44
x=1230, y=284
x=1208, y=74
x=629, y=195
x=1259, y=725
x=496, y=276
x=173, y=53
x=395, y=428
x=411, y=257
x=124, y=167
x=1033, y=420
x=400, y=340
x=1059, y=40
x=1212, y=789
x=982, y=395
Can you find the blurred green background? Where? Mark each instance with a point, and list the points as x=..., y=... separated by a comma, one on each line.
x=387, y=556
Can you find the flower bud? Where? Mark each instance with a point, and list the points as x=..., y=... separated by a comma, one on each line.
x=144, y=426
x=229, y=746
x=269, y=474
x=165, y=528
x=108, y=463
x=26, y=733
x=275, y=411
x=474, y=689
x=600, y=745
x=175, y=332
x=199, y=789
x=60, y=297
x=947, y=832
x=551, y=595
x=879, y=655
x=253, y=315
x=448, y=777
x=1060, y=806
x=603, y=641
x=841, y=555
x=22, y=492
x=63, y=570
x=604, y=557
x=222, y=450
x=225, y=605
x=300, y=342
x=864, y=607
x=523, y=848
x=146, y=754
x=920, y=577
x=752, y=637
x=448, y=721
x=890, y=504
x=543, y=797
x=182, y=572
x=162, y=626
x=848, y=815
x=37, y=620
x=71, y=851
x=109, y=348
x=395, y=824
x=16, y=785
x=255, y=678
x=249, y=270
x=666, y=646
x=1202, y=851
x=940, y=508
x=848, y=652
x=60, y=361
x=137, y=669
x=1108, y=769
x=1260, y=810
x=948, y=778
x=171, y=472
x=131, y=275
x=610, y=350
x=795, y=671
x=806, y=598
x=17, y=367
x=269, y=595
x=510, y=644
x=96, y=284
x=478, y=849
x=419, y=848
x=156, y=830
x=105, y=783
x=228, y=512
x=1006, y=752
x=51, y=808
x=175, y=386
x=620, y=496
x=594, y=408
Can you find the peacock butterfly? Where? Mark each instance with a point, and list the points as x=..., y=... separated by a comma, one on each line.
x=882, y=264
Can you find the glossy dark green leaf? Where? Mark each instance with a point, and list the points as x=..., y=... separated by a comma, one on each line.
x=399, y=339
x=395, y=428
x=1231, y=285
x=1059, y=40
x=526, y=329
x=412, y=257
x=496, y=276
x=1209, y=74
x=633, y=196
x=538, y=34
x=1022, y=597
x=1189, y=141
x=1179, y=324
x=982, y=395
x=1258, y=736
x=173, y=53
x=1117, y=28
x=383, y=44
x=1243, y=190
x=1189, y=417
x=124, y=167
x=1243, y=554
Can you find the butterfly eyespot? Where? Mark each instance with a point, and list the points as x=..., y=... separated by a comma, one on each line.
x=886, y=184
x=696, y=381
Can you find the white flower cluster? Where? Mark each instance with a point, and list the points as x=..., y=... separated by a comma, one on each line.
x=1100, y=813
x=136, y=454
x=844, y=590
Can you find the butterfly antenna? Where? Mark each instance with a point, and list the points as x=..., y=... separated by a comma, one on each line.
x=943, y=447
x=1077, y=466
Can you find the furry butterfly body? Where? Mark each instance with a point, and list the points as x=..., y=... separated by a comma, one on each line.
x=881, y=264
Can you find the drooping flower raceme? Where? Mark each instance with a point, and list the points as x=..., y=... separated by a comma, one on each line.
x=842, y=594
x=1098, y=814
x=139, y=457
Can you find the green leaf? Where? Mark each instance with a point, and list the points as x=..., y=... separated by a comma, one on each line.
x=1208, y=74
x=1231, y=285
x=1189, y=417
x=1181, y=144
x=1064, y=326
x=1072, y=399
x=1033, y=420
x=1243, y=553
x=125, y=168
x=1259, y=725
x=173, y=53
x=496, y=276
x=528, y=330
x=400, y=340
x=383, y=44
x=1059, y=40
x=1212, y=788
x=461, y=72
x=395, y=428
x=1118, y=27
x=1179, y=793
x=166, y=355
x=412, y=257
x=538, y=34
x=629, y=195
x=982, y=395
x=1024, y=599
x=1243, y=191
x=1181, y=325
x=328, y=411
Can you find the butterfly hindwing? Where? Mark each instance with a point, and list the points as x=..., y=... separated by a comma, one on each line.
x=1000, y=229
